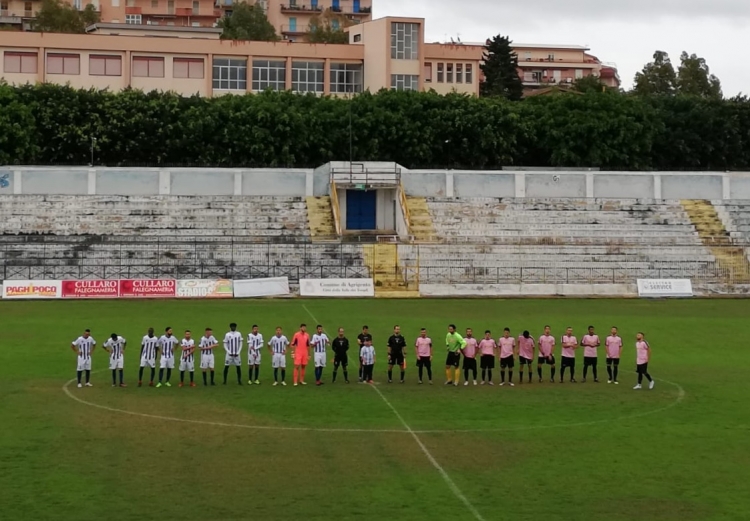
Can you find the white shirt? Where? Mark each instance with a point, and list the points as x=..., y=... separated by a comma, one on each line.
x=278, y=344
x=319, y=342
x=233, y=343
x=167, y=345
x=208, y=342
x=84, y=345
x=117, y=346
x=367, y=354
x=186, y=345
x=149, y=345
x=254, y=343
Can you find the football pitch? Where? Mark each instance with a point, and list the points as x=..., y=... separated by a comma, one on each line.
x=386, y=451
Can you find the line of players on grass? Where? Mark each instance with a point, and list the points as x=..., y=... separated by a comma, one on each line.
x=486, y=349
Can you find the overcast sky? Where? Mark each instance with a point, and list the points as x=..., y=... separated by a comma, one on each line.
x=625, y=32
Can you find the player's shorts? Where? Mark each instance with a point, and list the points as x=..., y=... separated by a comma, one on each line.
x=207, y=361
x=453, y=358
x=301, y=359
x=641, y=368
x=589, y=360
x=546, y=360
x=487, y=362
x=424, y=361
x=320, y=359
x=278, y=361
x=613, y=361
x=253, y=358
x=148, y=362
x=116, y=363
x=470, y=364
x=341, y=360
x=233, y=360
x=507, y=362
x=84, y=364
x=568, y=361
x=187, y=366
x=522, y=360
x=166, y=363
x=396, y=359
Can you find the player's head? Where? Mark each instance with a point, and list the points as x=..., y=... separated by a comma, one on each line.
x=368, y=341
x=423, y=333
x=487, y=334
x=319, y=329
x=591, y=330
x=255, y=329
x=341, y=332
x=613, y=331
x=506, y=332
x=87, y=333
x=526, y=334
x=396, y=330
x=113, y=336
x=303, y=327
x=365, y=329
x=168, y=331
x=233, y=326
x=278, y=330
x=569, y=331
x=188, y=334
x=452, y=328
x=469, y=332
x=208, y=332
x=640, y=336
x=151, y=331
x=546, y=330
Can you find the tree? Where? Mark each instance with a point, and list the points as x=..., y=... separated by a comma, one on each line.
x=247, y=22
x=657, y=77
x=56, y=16
x=327, y=27
x=694, y=78
x=500, y=68
x=590, y=83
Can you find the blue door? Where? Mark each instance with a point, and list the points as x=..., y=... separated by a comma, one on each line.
x=356, y=6
x=314, y=5
x=360, y=210
x=292, y=24
x=336, y=6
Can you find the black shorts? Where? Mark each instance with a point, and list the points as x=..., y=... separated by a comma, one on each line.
x=487, y=361
x=568, y=361
x=424, y=361
x=453, y=358
x=470, y=363
x=341, y=360
x=508, y=362
x=641, y=368
x=396, y=359
x=544, y=360
x=589, y=360
x=613, y=361
x=522, y=360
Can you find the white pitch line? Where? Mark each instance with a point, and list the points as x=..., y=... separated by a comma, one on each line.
x=451, y=484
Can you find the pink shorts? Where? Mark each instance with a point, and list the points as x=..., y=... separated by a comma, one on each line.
x=301, y=359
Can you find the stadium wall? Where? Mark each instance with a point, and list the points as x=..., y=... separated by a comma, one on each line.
x=300, y=182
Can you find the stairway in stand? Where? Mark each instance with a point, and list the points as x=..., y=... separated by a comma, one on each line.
x=715, y=237
x=420, y=220
x=320, y=219
x=387, y=274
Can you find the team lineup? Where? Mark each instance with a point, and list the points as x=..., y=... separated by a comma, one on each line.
x=469, y=348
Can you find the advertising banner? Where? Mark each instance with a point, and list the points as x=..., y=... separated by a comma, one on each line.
x=148, y=288
x=336, y=288
x=261, y=287
x=665, y=288
x=32, y=289
x=196, y=288
x=90, y=289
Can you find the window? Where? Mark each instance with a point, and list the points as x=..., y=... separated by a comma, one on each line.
x=77, y=4
x=527, y=56
x=357, y=37
x=187, y=68
x=448, y=73
x=335, y=24
x=20, y=62
x=63, y=64
x=134, y=19
x=28, y=9
x=428, y=72
x=404, y=82
x=148, y=67
x=557, y=75
x=230, y=74
x=101, y=65
x=404, y=41
x=196, y=7
x=469, y=78
x=459, y=73
x=579, y=74
x=440, y=73
x=115, y=3
x=4, y=7
x=170, y=6
x=346, y=77
x=154, y=4
x=307, y=76
x=551, y=57
x=269, y=74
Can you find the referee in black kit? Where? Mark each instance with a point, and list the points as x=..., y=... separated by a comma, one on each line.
x=396, y=353
x=361, y=339
x=340, y=346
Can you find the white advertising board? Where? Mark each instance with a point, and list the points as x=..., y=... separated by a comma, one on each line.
x=197, y=288
x=336, y=288
x=261, y=287
x=32, y=289
x=665, y=288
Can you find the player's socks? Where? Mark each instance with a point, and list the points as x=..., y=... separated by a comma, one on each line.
x=609, y=372
x=539, y=371
x=205, y=378
x=334, y=376
x=88, y=375
x=572, y=374
x=403, y=375
x=529, y=375
x=502, y=376
x=79, y=373
x=257, y=372
x=122, y=375
x=346, y=376
x=484, y=374
x=489, y=375
x=239, y=375
x=153, y=373
x=276, y=374
x=182, y=376
x=615, y=373
x=212, y=378
x=520, y=376
x=226, y=373
x=169, y=374
x=456, y=375
x=466, y=374
x=562, y=374
x=161, y=375
x=140, y=374
x=192, y=375
x=250, y=373
x=283, y=374
x=593, y=369
x=510, y=376
x=295, y=375
x=114, y=376
x=302, y=374
x=552, y=372
x=585, y=371
x=448, y=375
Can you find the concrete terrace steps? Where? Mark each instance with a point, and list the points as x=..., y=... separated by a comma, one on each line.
x=320, y=218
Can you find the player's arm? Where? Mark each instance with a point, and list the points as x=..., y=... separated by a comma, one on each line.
x=106, y=347
x=648, y=352
x=619, y=350
x=143, y=346
x=93, y=347
x=516, y=348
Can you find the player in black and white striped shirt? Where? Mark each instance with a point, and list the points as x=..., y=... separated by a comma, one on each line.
x=207, y=346
x=115, y=346
x=167, y=343
x=83, y=346
x=149, y=346
x=233, y=349
x=277, y=346
x=254, y=349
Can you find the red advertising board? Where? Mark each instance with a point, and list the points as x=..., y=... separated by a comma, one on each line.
x=148, y=288
x=90, y=289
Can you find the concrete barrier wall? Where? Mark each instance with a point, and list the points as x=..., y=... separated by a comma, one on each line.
x=528, y=290
x=425, y=183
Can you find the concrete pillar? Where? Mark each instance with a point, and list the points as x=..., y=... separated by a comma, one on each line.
x=590, y=185
x=92, y=181
x=165, y=182
x=309, y=184
x=17, y=182
x=238, y=183
x=449, y=185
x=726, y=187
x=520, y=185
x=657, y=186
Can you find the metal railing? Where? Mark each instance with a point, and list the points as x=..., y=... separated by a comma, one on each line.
x=358, y=174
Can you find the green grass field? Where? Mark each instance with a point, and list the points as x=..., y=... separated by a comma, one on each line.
x=539, y=451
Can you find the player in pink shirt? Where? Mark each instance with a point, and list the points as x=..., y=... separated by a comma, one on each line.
x=590, y=342
x=525, y=353
x=642, y=356
x=568, y=355
x=470, y=356
x=507, y=349
x=423, y=347
x=546, y=344
x=300, y=353
x=613, y=344
x=487, y=348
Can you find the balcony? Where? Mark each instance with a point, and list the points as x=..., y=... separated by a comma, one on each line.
x=223, y=3
x=300, y=9
x=294, y=30
x=134, y=10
